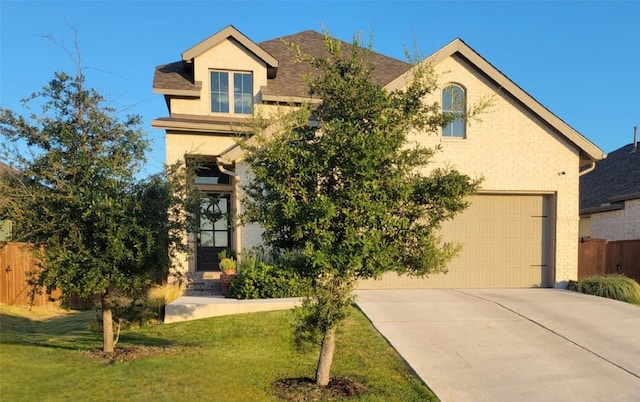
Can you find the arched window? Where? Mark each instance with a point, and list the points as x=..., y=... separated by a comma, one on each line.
x=454, y=102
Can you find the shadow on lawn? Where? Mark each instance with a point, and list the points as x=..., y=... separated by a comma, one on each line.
x=71, y=331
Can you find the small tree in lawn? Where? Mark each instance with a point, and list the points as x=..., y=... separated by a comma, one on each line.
x=350, y=195
x=94, y=225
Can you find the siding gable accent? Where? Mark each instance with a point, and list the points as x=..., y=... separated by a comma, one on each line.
x=231, y=32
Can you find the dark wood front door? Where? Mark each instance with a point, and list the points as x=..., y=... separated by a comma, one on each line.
x=214, y=231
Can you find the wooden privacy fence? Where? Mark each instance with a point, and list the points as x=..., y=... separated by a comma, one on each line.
x=16, y=262
x=602, y=257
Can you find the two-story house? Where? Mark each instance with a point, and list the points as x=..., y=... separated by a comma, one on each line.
x=521, y=229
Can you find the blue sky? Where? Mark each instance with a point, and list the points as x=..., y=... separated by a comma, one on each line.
x=580, y=59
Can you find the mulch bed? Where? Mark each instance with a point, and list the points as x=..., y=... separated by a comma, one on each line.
x=305, y=389
x=123, y=354
x=301, y=389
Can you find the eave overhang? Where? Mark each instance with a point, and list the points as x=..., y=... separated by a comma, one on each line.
x=188, y=93
x=604, y=208
x=616, y=203
x=187, y=125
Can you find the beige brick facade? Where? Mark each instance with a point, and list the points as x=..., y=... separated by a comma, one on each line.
x=514, y=148
x=514, y=152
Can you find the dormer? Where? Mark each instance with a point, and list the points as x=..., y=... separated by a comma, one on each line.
x=231, y=33
x=219, y=77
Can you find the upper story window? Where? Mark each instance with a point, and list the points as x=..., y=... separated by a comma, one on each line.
x=231, y=88
x=454, y=102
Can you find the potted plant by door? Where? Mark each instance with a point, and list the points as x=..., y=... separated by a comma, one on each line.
x=228, y=266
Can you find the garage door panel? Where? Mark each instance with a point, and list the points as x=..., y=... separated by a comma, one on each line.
x=507, y=251
x=503, y=238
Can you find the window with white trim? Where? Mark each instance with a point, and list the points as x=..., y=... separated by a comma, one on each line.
x=454, y=103
x=231, y=88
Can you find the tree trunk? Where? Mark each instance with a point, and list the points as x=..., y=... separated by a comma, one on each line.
x=107, y=323
x=323, y=372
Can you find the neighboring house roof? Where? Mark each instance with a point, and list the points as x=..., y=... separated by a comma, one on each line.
x=614, y=180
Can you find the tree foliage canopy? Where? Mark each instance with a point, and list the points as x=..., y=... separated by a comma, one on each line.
x=344, y=185
x=76, y=193
x=76, y=196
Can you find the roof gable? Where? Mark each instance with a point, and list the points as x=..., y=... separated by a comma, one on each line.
x=588, y=150
x=230, y=32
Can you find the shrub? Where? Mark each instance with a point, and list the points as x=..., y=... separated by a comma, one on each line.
x=161, y=295
x=227, y=262
x=259, y=280
x=617, y=287
x=130, y=311
x=165, y=294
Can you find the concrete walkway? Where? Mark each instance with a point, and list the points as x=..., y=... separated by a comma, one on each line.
x=513, y=344
x=188, y=308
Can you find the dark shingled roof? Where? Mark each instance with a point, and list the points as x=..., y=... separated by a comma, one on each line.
x=175, y=76
x=288, y=81
x=615, y=178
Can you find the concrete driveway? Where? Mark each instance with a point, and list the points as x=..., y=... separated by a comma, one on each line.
x=512, y=344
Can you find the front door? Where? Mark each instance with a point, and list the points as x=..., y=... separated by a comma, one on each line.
x=214, y=231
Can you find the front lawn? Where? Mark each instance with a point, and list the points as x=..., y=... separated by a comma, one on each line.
x=52, y=356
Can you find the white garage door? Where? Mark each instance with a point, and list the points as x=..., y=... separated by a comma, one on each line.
x=504, y=239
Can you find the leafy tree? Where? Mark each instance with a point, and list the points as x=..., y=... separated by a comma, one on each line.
x=351, y=195
x=95, y=227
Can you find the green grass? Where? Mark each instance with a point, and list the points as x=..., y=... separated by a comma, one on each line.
x=617, y=287
x=44, y=357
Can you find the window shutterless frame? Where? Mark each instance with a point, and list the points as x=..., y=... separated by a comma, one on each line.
x=454, y=102
x=231, y=88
